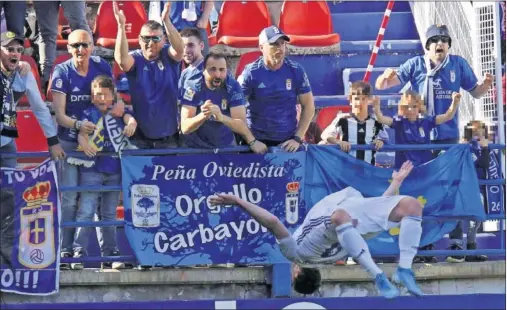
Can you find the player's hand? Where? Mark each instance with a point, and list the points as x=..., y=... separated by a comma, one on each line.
x=202, y=22
x=217, y=112
x=118, y=109
x=290, y=145
x=166, y=11
x=404, y=171
x=344, y=146
x=456, y=97
x=375, y=102
x=118, y=14
x=87, y=127
x=24, y=67
x=389, y=74
x=378, y=144
x=57, y=152
x=223, y=199
x=130, y=129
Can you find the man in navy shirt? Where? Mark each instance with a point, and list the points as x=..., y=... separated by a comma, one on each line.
x=153, y=72
x=435, y=77
x=71, y=89
x=192, y=54
x=213, y=108
x=273, y=86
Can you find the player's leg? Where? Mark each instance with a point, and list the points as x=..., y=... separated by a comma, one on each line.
x=356, y=246
x=408, y=212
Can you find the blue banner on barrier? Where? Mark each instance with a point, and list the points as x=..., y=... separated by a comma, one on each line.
x=446, y=186
x=31, y=215
x=495, y=194
x=168, y=219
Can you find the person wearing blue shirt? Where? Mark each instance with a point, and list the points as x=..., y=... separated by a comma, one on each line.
x=111, y=136
x=71, y=89
x=213, y=108
x=411, y=126
x=188, y=14
x=192, y=54
x=435, y=76
x=152, y=72
x=273, y=86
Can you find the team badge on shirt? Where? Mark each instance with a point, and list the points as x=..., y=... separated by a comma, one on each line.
x=421, y=132
x=453, y=76
x=189, y=94
x=288, y=84
x=59, y=83
x=224, y=104
x=160, y=65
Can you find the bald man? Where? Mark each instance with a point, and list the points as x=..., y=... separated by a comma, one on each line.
x=71, y=89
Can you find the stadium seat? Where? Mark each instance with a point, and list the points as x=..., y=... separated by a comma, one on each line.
x=308, y=23
x=245, y=59
x=35, y=71
x=328, y=114
x=59, y=59
x=27, y=43
x=31, y=137
x=106, y=26
x=61, y=43
x=241, y=22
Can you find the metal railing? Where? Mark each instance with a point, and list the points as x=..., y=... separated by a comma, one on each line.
x=180, y=151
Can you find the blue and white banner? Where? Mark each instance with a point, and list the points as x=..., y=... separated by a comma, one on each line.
x=495, y=194
x=30, y=223
x=447, y=187
x=170, y=222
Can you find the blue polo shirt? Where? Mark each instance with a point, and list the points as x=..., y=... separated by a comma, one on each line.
x=272, y=98
x=417, y=132
x=456, y=74
x=211, y=134
x=154, y=94
x=189, y=72
x=77, y=89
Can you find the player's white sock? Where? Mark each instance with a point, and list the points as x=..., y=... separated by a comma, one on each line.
x=354, y=244
x=410, y=236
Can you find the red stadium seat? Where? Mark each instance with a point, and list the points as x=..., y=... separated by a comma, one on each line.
x=308, y=23
x=106, y=26
x=245, y=59
x=35, y=71
x=328, y=114
x=27, y=44
x=241, y=22
x=59, y=59
x=31, y=137
x=61, y=43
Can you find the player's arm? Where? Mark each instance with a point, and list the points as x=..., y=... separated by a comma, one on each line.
x=398, y=178
x=387, y=79
x=263, y=216
x=121, y=49
x=447, y=116
x=174, y=37
x=381, y=118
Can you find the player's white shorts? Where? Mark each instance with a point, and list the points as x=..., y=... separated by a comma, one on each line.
x=372, y=214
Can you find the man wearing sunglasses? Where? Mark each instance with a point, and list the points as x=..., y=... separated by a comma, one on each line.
x=152, y=72
x=14, y=86
x=435, y=76
x=71, y=89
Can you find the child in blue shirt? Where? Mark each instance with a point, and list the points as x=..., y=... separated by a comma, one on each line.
x=110, y=136
x=411, y=126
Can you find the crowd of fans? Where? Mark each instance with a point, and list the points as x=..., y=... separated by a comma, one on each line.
x=270, y=104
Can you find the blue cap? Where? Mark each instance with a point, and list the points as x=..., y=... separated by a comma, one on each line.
x=271, y=34
x=437, y=30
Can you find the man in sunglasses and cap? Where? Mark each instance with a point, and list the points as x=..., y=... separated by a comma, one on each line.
x=274, y=86
x=14, y=86
x=435, y=76
x=152, y=72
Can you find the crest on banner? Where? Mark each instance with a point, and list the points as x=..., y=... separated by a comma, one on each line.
x=37, y=240
x=292, y=202
x=145, y=205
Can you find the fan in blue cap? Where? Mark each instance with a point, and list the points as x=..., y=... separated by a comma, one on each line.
x=437, y=33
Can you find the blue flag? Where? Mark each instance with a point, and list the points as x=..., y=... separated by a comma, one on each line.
x=447, y=187
x=31, y=215
x=168, y=220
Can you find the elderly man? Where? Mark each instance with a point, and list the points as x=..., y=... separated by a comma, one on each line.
x=152, y=73
x=14, y=86
x=71, y=88
x=213, y=108
x=274, y=86
x=436, y=76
